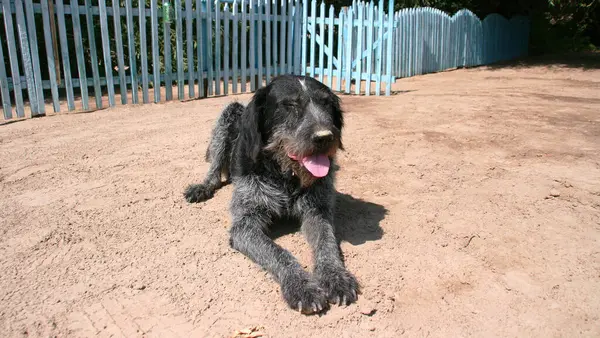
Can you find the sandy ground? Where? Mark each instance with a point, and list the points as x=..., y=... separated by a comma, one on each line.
x=469, y=205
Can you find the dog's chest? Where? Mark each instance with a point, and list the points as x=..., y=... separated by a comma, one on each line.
x=289, y=192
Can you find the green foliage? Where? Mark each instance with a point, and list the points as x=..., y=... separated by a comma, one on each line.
x=566, y=26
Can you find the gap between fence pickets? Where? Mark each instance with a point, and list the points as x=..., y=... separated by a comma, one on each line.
x=417, y=41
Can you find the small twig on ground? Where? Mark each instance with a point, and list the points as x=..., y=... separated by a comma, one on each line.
x=469, y=241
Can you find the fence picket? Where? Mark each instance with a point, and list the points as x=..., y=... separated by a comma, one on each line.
x=64, y=47
x=433, y=31
x=348, y=53
x=179, y=50
x=259, y=42
x=290, y=60
x=168, y=59
x=379, y=65
x=359, y=48
x=200, y=40
x=313, y=33
x=394, y=51
x=6, y=104
x=12, y=56
x=79, y=54
x=189, y=33
x=369, y=49
x=322, y=44
x=383, y=49
x=50, y=56
x=131, y=51
x=143, y=51
x=226, y=50
x=420, y=40
x=304, y=37
x=410, y=42
x=431, y=42
x=252, y=51
x=282, y=37
x=426, y=41
x=275, y=38
x=364, y=8
x=452, y=54
x=155, y=51
x=417, y=42
x=35, y=57
x=243, y=37
x=297, y=37
x=401, y=52
x=26, y=57
x=340, y=50
x=388, y=68
x=330, y=47
x=209, y=47
x=268, y=21
x=438, y=39
x=442, y=43
x=235, y=41
x=441, y=40
x=120, y=58
x=402, y=43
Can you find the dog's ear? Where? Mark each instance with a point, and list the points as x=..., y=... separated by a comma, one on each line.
x=338, y=116
x=251, y=128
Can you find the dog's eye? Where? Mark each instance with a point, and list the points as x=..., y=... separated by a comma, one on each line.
x=290, y=108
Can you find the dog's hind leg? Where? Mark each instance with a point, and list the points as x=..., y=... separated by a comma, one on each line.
x=218, y=154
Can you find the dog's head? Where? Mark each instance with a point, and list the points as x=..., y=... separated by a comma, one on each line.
x=298, y=121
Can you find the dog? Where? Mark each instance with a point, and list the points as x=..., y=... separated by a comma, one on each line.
x=279, y=153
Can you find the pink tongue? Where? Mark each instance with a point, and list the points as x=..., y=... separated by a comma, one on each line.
x=318, y=165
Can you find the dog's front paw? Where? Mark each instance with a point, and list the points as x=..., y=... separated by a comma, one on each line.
x=339, y=284
x=302, y=293
x=197, y=193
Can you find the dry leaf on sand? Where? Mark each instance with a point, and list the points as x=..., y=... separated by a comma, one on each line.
x=251, y=332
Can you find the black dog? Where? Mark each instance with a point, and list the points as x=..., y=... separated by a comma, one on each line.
x=279, y=152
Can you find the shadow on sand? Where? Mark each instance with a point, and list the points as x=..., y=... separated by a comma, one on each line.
x=356, y=221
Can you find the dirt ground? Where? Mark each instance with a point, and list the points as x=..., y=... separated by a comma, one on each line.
x=469, y=205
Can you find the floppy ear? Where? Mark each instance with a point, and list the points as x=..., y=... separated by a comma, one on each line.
x=338, y=117
x=251, y=134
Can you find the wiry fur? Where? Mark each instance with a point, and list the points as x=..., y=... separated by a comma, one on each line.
x=251, y=146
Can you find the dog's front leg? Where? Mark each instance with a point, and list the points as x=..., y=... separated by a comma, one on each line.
x=339, y=284
x=299, y=289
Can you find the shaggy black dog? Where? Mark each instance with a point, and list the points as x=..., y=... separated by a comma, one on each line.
x=279, y=153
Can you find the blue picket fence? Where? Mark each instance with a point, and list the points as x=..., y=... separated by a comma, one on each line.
x=65, y=56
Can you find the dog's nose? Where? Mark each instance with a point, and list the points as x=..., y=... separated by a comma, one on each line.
x=322, y=136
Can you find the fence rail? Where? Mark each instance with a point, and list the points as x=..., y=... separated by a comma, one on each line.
x=89, y=54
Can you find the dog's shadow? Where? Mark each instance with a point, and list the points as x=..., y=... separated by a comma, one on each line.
x=356, y=221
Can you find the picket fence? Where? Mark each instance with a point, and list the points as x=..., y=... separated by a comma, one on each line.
x=229, y=47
